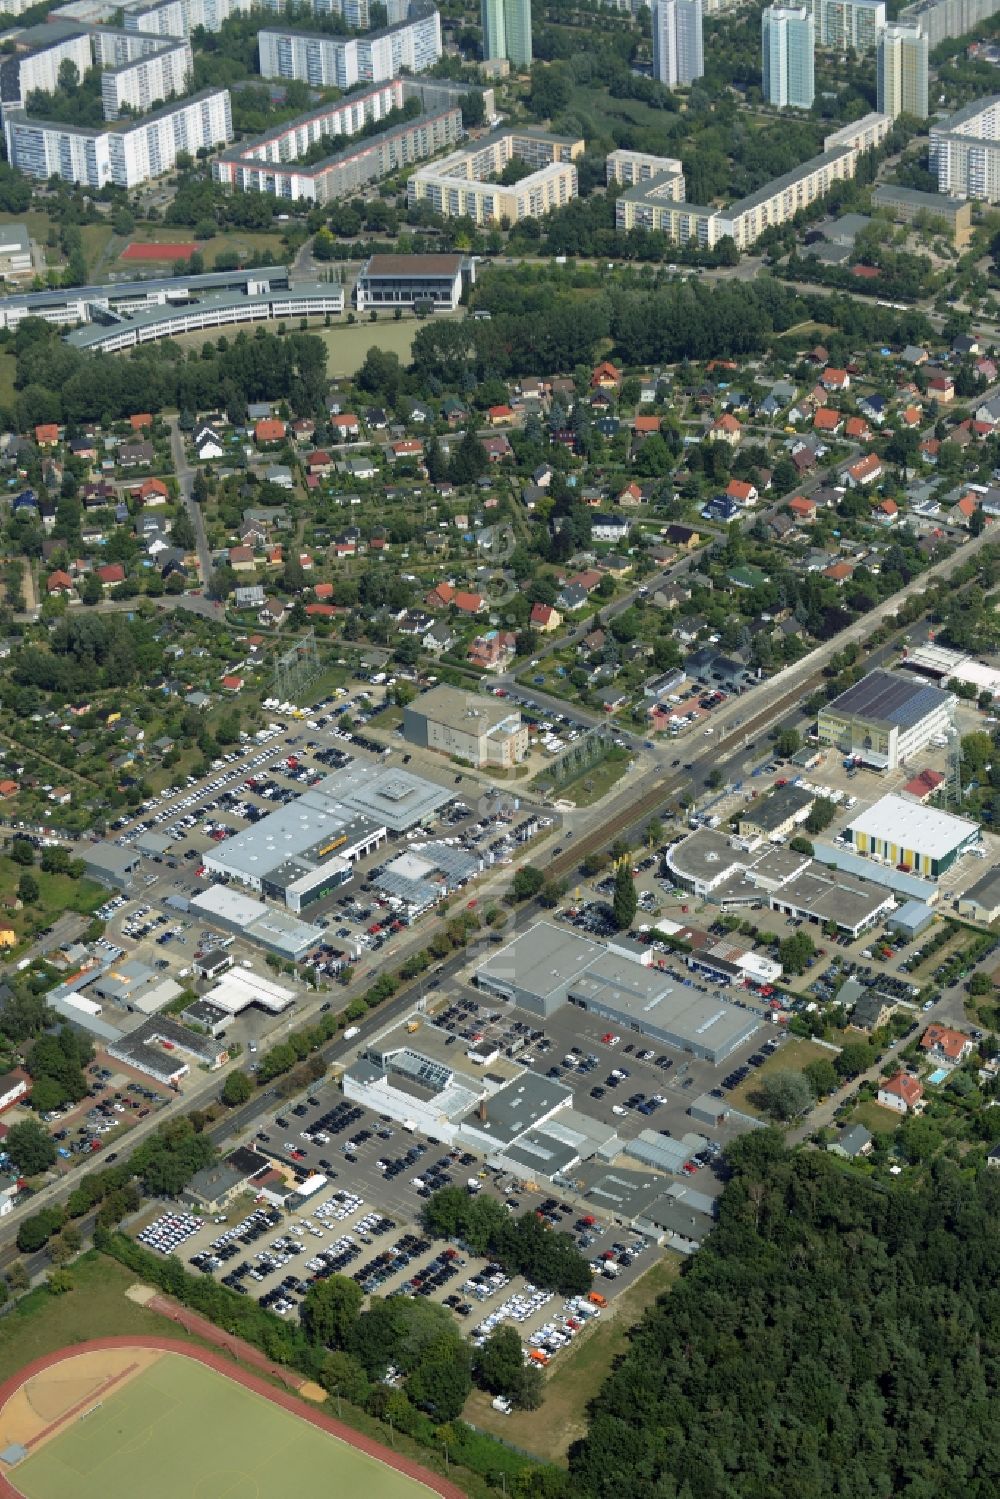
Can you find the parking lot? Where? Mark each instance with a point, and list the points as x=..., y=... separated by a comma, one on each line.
x=622, y=1080
x=365, y=1222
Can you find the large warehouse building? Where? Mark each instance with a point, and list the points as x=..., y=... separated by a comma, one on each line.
x=547, y=967
x=885, y=719
x=305, y=849
x=900, y=831
x=483, y=730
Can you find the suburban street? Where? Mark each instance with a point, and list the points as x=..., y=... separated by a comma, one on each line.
x=185, y=479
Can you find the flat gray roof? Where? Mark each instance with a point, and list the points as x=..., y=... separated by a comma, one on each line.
x=390, y=796
x=953, y=124
x=111, y=858
x=770, y=812
x=911, y=885
x=648, y=997
x=519, y=1106
x=986, y=890
x=888, y=193
x=544, y=960
x=787, y=179
x=469, y=712
x=833, y=897
x=705, y=853
x=149, y=317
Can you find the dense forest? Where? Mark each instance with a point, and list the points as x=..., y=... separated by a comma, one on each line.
x=834, y=1337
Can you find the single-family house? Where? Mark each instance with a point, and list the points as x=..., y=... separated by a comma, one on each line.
x=803, y=509
x=47, y=435
x=827, y=421
x=493, y=651
x=59, y=582
x=269, y=432
x=943, y=1044
x=606, y=376
x=743, y=492
x=344, y=426
x=613, y=528
x=864, y=471
x=726, y=429
x=684, y=537
x=901, y=1093
x=834, y=379
x=544, y=618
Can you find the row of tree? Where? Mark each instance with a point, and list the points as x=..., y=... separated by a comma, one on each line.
x=523, y=1245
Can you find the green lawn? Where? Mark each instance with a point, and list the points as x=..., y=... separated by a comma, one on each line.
x=875, y=1118
x=348, y=343
x=96, y=1307
x=179, y=1429
x=793, y=1056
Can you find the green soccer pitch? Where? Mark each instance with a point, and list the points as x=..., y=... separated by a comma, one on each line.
x=179, y=1430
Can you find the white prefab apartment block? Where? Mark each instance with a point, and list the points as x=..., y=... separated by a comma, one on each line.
x=678, y=47
x=901, y=71
x=269, y=163
x=788, y=37
x=157, y=71
x=341, y=62
x=39, y=52
x=844, y=24
x=464, y=185
x=866, y=134
x=965, y=152
x=940, y=19
x=125, y=154
x=629, y=168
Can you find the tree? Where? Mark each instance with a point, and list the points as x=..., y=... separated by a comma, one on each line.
x=499, y=1361
x=714, y=778
x=22, y=852
x=236, y=1089
x=330, y=1311
x=820, y=815
x=441, y=1381
x=784, y=1095
x=17, y=1276
x=27, y=889
x=625, y=902
x=822, y=1076
x=980, y=984
x=527, y=882
x=787, y=742
x=853, y=1059
x=30, y=1147
x=796, y=952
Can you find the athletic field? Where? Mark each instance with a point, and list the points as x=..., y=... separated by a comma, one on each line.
x=168, y=1427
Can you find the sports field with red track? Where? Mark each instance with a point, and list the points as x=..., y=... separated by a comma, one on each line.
x=168, y=1420
x=157, y=251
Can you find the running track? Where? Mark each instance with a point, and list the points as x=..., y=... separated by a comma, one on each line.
x=290, y=1403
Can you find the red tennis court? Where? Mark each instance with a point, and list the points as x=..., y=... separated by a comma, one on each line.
x=157, y=251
